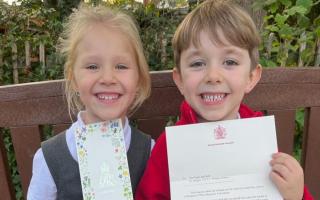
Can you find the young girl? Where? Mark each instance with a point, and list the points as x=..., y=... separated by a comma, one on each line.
x=106, y=78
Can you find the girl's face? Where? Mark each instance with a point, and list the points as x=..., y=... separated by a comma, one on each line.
x=105, y=74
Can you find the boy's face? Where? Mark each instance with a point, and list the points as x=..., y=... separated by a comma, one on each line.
x=214, y=78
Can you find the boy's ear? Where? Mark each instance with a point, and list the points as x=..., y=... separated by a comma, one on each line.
x=255, y=76
x=177, y=79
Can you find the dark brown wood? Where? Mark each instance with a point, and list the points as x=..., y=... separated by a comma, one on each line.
x=26, y=141
x=285, y=126
x=34, y=111
x=278, y=89
x=154, y=126
x=281, y=91
x=311, y=151
x=6, y=189
x=58, y=128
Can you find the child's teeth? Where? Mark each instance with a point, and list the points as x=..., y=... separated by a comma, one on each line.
x=213, y=98
x=108, y=97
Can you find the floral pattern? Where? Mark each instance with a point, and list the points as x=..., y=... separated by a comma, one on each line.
x=110, y=132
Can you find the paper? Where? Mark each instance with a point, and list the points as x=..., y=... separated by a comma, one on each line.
x=227, y=160
x=103, y=161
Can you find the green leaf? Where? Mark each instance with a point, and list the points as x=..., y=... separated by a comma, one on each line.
x=286, y=32
x=269, y=2
x=267, y=63
x=274, y=8
x=303, y=21
x=317, y=31
x=272, y=28
x=307, y=4
x=316, y=21
x=296, y=9
x=281, y=19
x=286, y=3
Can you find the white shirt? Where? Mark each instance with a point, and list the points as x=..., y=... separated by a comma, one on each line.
x=42, y=185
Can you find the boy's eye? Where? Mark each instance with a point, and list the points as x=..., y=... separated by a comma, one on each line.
x=121, y=66
x=230, y=62
x=197, y=64
x=92, y=66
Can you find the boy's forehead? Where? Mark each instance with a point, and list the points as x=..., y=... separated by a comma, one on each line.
x=204, y=38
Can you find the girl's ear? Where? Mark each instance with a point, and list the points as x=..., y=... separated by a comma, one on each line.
x=177, y=79
x=254, y=78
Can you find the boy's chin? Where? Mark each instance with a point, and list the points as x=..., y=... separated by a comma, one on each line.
x=208, y=118
x=215, y=117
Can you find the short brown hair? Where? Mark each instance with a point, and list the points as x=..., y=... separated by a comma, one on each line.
x=213, y=15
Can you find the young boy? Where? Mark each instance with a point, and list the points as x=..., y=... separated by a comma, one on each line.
x=216, y=57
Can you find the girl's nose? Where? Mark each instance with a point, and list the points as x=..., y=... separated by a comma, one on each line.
x=213, y=75
x=107, y=76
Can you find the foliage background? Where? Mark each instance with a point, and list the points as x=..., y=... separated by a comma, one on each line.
x=290, y=32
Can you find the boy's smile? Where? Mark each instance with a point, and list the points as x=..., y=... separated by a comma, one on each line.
x=105, y=73
x=213, y=98
x=214, y=76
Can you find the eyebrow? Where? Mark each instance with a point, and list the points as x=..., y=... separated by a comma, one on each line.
x=232, y=50
x=192, y=53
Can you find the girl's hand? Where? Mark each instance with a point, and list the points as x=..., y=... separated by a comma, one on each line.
x=287, y=175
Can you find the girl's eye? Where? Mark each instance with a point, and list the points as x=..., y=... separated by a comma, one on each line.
x=197, y=64
x=92, y=66
x=230, y=62
x=121, y=66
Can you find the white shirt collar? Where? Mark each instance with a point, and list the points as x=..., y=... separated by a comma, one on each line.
x=71, y=142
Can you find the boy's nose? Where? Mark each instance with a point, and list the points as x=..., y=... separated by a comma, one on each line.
x=214, y=75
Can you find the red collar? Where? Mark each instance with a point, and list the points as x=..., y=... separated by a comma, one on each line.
x=189, y=116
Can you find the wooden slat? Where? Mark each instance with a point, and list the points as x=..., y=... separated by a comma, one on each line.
x=285, y=125
x=283, y=96
x=26, y=140
x=58, y=128
x=278, y=89
x=30, y=112
x=170, y=99
x=32, y=90
x=312, y=152
x=6, y=189
x=153, y=127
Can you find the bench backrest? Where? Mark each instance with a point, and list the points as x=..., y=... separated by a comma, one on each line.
x=25, y=107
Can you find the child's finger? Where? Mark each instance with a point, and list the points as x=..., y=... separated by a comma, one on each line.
x=277, y=180
x=282, y=171
x=285, y=160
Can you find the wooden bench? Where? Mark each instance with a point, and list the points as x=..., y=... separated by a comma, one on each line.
x=280, y=92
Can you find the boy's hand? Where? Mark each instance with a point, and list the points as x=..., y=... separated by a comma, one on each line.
x=287, y=175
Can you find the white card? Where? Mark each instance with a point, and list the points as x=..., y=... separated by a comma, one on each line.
x=226, y=160
x=103, y=161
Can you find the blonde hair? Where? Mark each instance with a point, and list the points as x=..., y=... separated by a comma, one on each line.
x=212, y=16
x=74, y=30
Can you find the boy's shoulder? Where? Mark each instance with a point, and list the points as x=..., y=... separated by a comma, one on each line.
x=246, y=112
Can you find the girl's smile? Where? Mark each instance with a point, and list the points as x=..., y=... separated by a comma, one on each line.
x=105, y=73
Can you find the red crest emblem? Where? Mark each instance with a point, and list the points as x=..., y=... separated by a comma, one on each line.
x=220, y=133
